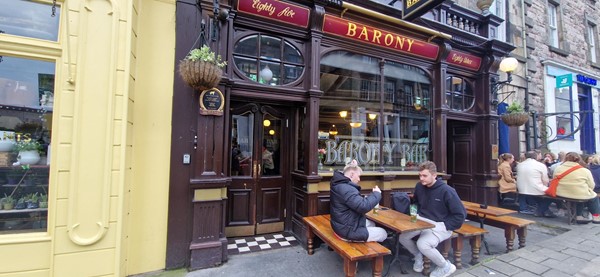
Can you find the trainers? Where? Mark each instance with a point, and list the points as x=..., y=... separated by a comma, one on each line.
x=444, y=271
x=550, y=214
x=596, y=219
x=418, y=265
x=527, y=212
x=582, y=220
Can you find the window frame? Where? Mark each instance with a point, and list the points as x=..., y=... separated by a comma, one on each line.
x=593, y=41
x=569, y=117
x=465, y=84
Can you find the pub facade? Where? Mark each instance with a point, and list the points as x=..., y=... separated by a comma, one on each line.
x=311, y=85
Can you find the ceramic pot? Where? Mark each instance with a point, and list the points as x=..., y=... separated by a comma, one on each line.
x=29, y=157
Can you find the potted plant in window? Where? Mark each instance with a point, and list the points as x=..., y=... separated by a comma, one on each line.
x=29, y=151
x=515, y=115
x=201, y=68
x=8, y=202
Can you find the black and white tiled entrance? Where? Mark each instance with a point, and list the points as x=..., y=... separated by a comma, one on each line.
x=259, y=243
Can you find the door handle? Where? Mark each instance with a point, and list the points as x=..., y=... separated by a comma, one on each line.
x=260, y=172
x=254, y=169
x=245, y=186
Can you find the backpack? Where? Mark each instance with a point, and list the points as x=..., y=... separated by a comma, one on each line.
x=401, y=202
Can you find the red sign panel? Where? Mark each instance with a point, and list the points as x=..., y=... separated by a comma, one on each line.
x=276, y=10
x=371, y=35
x=465, y=60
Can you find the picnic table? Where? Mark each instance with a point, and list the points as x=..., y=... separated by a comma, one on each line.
x=482, y=213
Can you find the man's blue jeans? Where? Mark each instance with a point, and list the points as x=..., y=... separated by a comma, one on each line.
x=542, y=203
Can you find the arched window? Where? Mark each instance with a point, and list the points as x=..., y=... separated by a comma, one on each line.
x=459, y=94
x=268, y=60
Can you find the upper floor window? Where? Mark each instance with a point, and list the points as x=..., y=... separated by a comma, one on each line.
x=30, y=19
x=592, y=35
x=553, y=24
x=497, y=8
x=268, y=60
x=459, y=94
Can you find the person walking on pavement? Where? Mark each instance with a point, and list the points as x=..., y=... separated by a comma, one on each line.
x=532, y=181
x=440, y=205
x=578, y=184
x=348, y=207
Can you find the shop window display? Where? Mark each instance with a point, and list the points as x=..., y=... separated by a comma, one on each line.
x=26, y=105
x=384, y=127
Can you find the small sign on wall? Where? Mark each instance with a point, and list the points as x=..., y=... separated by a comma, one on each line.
x=494, y=151
x=212, y=102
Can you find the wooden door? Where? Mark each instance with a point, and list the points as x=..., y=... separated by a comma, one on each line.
x=461, y=152
x=259, y=169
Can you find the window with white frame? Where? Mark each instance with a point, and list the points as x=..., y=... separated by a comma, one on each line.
x=553, y=24
x=592, y=42
x=497, y=8
x=563, y=104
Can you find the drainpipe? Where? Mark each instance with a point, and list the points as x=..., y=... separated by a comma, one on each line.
x=527, y=78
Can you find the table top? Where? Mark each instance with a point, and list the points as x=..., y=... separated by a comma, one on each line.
x=397, y=221
x=490, y=210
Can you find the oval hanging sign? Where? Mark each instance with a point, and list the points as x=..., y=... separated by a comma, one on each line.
x=212, y=102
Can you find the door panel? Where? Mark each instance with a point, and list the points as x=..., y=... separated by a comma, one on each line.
x=257, y=191
x=460, y=158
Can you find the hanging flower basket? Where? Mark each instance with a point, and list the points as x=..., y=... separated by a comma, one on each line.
x=201, y=68
x=199, y=74
x=515, y=119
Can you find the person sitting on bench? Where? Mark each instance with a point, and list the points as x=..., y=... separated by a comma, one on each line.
x=438, y=204
x=532, y=181
x=578, y=184
x=507, y=182
x=348, y=207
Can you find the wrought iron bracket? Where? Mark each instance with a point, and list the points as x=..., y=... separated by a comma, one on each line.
x=578, y=115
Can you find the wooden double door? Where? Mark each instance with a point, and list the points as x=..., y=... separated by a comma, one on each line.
x=259, y=167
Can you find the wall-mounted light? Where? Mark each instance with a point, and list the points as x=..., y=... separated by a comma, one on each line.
x=266, y=123
x=266, y=74
x=343, y=114
x=507, y=65
x=271, y=132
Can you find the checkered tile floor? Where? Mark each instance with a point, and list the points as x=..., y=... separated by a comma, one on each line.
x=259, y=243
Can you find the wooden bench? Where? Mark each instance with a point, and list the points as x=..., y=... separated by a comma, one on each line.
x=569, y=203
x=351, y=252
x=456, y=242
x=510, y=224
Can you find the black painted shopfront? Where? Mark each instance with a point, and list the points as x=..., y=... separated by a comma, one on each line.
x=309, y=86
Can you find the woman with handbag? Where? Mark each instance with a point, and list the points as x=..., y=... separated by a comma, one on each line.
x=578, y=184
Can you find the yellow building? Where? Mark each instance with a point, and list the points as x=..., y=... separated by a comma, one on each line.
x=105, y=131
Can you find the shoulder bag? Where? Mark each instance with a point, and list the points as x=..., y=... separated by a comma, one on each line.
x=551, y=191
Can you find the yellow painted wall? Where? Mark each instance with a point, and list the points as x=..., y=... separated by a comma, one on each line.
x=110, y=143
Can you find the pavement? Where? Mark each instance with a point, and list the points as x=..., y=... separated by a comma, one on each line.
x=553, y=248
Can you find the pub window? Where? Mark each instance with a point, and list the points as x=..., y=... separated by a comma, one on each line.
x=497, y=8
x=563, y=103
x=29, y=19
x=354, y=125
x=268, y=60
x=459, y=94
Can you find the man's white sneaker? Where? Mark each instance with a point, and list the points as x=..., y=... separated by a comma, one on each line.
x=418, y=265
x=444, y=271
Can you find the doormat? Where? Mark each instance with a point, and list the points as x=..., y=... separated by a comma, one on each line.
x=258, y=243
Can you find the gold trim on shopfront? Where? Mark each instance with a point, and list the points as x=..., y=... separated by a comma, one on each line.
x=394, y=20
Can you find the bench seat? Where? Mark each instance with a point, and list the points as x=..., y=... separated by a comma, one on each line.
x=351, y=252
x=570, y=205
x=510, y=224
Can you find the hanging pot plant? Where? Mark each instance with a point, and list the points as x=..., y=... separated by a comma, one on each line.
x=201, y=68
x=515, y=115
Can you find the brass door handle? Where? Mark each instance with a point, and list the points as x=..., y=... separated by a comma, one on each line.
x=245, y=186
x=259, y=170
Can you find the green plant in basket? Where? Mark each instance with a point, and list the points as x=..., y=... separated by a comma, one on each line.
x=515, y=107
x=201, y=68
x=206, y=55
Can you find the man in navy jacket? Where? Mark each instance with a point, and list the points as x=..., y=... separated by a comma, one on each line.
x=438, y=204
x=348, y=207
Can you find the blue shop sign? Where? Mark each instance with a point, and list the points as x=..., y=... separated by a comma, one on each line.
x=586, y=80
